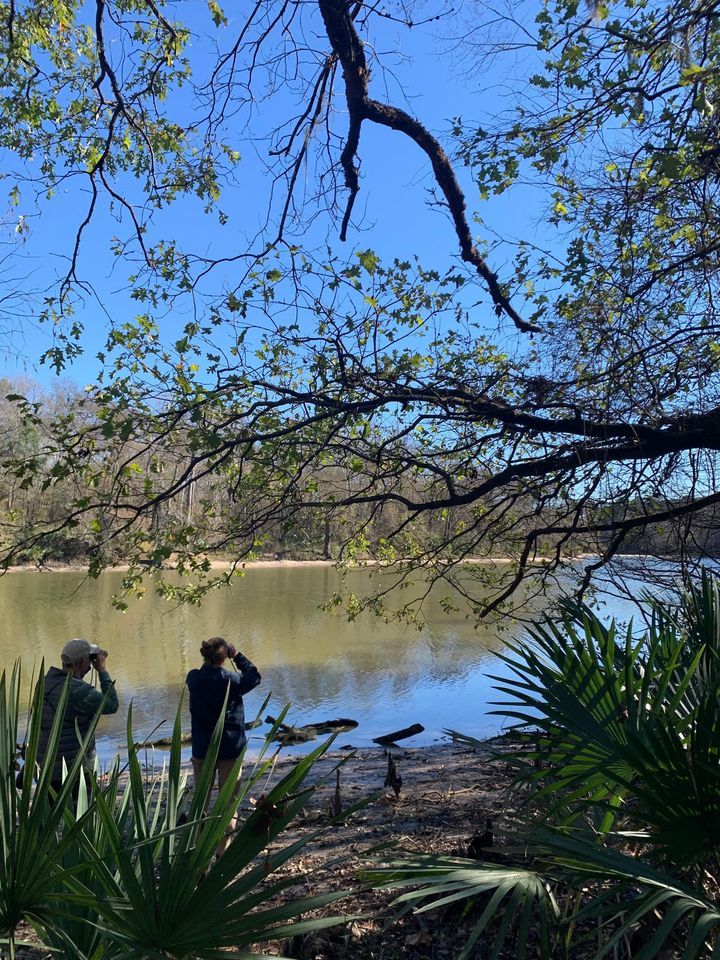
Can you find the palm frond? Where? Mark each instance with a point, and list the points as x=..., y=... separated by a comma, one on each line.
x=517, y=901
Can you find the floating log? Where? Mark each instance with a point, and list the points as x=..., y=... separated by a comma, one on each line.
x=341, y=725
x=289, y=735
x=164, y=743
x=390, y=738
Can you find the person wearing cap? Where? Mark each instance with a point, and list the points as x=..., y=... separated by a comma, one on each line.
x=83, y=703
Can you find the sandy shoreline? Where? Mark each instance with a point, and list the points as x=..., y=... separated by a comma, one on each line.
x=449, y=794
x=444, y=766
x=55, y=566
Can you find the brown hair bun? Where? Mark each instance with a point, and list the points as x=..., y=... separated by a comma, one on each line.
x=214, y=650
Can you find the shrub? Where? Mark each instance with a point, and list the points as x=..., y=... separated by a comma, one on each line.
x=618, y=851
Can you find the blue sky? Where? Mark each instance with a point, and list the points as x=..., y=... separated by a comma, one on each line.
x=395, y=220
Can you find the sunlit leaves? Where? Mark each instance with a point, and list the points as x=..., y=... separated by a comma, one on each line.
x=617, y=142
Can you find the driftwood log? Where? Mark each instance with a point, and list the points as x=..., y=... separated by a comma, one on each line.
x=390, y=738
x=164, y=743
x=287, y=734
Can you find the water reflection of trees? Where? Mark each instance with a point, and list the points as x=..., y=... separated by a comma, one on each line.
x=357, y=678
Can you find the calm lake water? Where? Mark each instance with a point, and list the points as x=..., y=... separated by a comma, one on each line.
x=385, y=676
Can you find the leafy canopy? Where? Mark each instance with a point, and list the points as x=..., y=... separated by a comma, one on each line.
x=533, y=393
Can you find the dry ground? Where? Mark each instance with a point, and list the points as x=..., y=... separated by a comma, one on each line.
x=447, y=796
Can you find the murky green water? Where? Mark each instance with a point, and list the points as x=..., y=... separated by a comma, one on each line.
x=384, y=676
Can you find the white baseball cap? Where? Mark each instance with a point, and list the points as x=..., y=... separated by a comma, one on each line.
x=77, y=649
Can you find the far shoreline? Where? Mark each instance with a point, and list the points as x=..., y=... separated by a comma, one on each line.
x=61, y=566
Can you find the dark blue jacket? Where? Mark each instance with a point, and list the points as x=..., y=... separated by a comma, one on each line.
x=207, y=687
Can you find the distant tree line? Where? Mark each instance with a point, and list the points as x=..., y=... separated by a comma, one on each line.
x=228, y=512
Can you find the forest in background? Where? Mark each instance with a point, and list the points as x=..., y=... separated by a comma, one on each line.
x=325, y=534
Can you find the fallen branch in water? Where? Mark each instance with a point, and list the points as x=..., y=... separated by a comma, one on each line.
x=288, y=734
x=164, y=743
x=390, y=738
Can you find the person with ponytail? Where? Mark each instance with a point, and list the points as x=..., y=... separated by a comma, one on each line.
x=208, y=686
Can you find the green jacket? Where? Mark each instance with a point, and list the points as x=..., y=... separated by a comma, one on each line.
x=84, y=698
x=84, y=701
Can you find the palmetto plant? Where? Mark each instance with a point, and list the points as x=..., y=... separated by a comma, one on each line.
x=618, y=853
x=130, y=871
x=34, y=833
x=164, y=893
